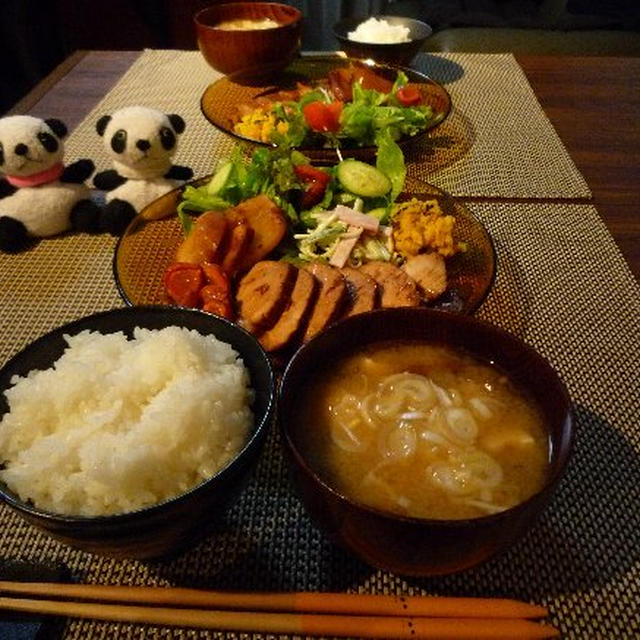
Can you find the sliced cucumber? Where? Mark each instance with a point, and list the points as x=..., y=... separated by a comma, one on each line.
x=363, y=179
x=219, y=178
x=382, y=213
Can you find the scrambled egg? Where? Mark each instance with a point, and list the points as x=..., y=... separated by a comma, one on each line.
x=419, y=225
x=259, y=125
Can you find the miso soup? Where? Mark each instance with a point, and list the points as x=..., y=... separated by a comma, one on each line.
x=424, y=431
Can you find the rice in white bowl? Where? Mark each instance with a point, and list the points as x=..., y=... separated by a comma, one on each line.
x=379, y=31
x=116, y=424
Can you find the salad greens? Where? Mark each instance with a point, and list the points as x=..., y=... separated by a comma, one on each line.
x=288, y=178
x=369, y=114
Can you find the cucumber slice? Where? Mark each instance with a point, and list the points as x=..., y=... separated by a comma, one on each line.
x=382, y=213
x=219, y=178
x=363, y=179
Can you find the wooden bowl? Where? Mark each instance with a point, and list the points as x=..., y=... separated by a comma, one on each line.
x=251, y=52
x=411, y=545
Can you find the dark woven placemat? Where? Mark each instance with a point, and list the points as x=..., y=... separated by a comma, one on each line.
x=562, y=286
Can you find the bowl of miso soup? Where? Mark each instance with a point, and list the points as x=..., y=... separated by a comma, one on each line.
x=423, y=442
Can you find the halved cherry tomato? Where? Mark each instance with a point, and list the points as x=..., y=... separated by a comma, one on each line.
x=182, y=282
x=216, y=295
x=409, y=95
x=321, y=116
x=316, y=182
x=309, y=173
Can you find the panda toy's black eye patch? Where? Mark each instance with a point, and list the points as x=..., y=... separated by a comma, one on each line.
x=48, y=141
x=119, y=141
x=167, y=138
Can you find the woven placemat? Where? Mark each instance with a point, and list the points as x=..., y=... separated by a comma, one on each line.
x=563, y=286
x=496, y=142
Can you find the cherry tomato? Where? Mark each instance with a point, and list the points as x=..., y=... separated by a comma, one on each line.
x=182, y=282
x=316, y=182
x=408, y=95
x=309, y=173
x=216, y=294
x=321, y=116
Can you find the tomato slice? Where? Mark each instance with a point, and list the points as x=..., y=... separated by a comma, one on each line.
x=309, y=173
x=321, y=116
x=182, y=282
x=409, y=95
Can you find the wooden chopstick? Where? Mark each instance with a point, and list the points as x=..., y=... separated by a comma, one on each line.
x=446, y=623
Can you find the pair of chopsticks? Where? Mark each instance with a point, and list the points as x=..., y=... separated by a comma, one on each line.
x=305, y=613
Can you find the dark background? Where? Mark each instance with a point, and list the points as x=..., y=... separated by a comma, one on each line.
x=36, y=36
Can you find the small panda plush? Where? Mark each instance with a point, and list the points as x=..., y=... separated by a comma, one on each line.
x=141, y=142
x=39, y=196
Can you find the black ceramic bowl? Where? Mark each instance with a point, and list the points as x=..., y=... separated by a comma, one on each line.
x=171, y=526
x=399, y=53
x=416, y=546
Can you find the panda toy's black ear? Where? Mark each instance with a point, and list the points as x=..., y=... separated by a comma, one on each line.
x=57, y=126
x=176, y=122
x=101, y=125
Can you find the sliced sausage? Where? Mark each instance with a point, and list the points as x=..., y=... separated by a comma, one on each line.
x=397, y=289
x=332, y=295
x=430, y=273
x=294, y=315
x=263, y=293
x=362, y=291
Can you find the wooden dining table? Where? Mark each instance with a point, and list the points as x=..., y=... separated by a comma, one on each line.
x=592, y=102
x=551, y=168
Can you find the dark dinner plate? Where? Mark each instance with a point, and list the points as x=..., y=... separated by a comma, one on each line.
x=149, y=244
x=220, y=101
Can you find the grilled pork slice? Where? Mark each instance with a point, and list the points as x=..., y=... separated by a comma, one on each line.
x=362, y=291
x=429, y=272
x=263, y=293
x=332, y=295
x=205, y=241
x=294, y=315
x=397, y=289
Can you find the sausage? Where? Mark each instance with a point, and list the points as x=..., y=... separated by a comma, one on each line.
x=263, y=293
x=362, y=291
x=332, y=296
x=294, y=315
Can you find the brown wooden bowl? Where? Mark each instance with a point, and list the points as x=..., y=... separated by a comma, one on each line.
x=251, y=52
x=419, y=546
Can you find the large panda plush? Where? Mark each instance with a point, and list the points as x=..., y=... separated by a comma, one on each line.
x=140, y=142
x=39, y=196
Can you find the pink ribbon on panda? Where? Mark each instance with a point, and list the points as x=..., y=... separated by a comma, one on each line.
x=36, y=179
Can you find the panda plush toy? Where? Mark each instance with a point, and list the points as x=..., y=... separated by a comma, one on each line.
x=39, y=196
x=140, y=142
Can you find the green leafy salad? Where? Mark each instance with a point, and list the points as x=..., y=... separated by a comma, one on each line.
x=319, y=118
x=328, y=207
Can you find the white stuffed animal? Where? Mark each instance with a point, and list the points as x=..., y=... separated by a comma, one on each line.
x=141, y=142
x=39, y=196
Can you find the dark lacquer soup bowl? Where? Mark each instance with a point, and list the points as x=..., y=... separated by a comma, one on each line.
x=175, y=523
x=397, y=539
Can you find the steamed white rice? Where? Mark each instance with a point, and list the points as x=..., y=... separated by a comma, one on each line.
x=380, y=31
x=117, y=424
